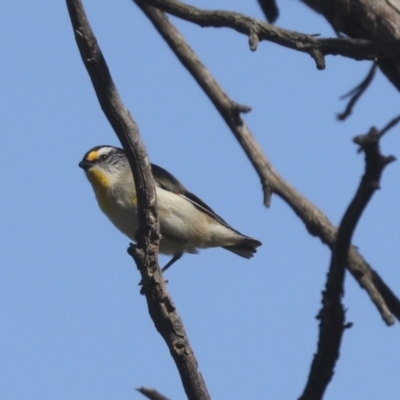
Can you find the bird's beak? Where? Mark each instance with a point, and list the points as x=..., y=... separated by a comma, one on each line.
x=85, y=164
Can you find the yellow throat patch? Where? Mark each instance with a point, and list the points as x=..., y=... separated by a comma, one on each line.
x=101, y=185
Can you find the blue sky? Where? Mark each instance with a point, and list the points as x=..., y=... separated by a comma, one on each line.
x=72, y=322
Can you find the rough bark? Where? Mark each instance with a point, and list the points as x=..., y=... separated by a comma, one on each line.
x=365, y=19
x=161, y=308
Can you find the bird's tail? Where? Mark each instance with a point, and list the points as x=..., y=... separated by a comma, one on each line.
x=244, y=247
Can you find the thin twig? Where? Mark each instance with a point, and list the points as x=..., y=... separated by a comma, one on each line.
x=161, y=307
x=317, y=48
x=390, y=125
x=332, y=314
x=356, y=93
x=314, y=219
x=151, y=394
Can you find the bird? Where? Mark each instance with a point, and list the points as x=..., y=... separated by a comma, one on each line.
x=186, y=222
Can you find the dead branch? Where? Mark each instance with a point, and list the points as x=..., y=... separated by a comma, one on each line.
x=390, y=125
x=377, y=20
x=356, y=93
x=161, y=307
x=315, y=47
x=332, y=314
x=313, y=218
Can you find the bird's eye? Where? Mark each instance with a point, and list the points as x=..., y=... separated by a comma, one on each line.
x=104, y=157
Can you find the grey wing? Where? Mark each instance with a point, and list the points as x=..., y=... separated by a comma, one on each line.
x=163, y=179
x=167, y=181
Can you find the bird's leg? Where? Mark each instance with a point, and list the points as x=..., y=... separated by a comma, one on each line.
x=176, y=257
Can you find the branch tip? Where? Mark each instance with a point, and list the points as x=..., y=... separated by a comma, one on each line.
x=151, y=394
x=240, y=108
x=319, y=59
x=390, y=125
x=267, y=195
x=364, y=140
x=131, y=250
x=253, y=38
x=389, y=159
x=356, y=93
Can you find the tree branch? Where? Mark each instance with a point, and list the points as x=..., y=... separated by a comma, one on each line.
x=356, y=93
x=332, y=314
x=313, y=218
x=316, y=48
x=161, y=307
x=151, y=394
x=377, y=20
x=391, y=124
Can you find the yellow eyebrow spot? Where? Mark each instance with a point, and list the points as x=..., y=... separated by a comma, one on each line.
x=93, y=155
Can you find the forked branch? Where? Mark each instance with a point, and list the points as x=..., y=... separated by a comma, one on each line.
x=161, y=307
x=315, y=221
x=254, y=28
x=332, y=314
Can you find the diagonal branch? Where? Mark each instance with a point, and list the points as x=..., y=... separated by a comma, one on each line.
x=332, y=315
x=313, y=218
x=391, y=124
x=161, y=307
x=257, y=30
x=377, y=20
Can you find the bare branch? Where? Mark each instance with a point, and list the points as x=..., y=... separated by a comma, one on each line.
x=161, y=307
x=118, y=116
x=151, y=394
x=313, y=218
x=377, y=20
x=390, y=125
x=356, y=93
x=317, y=48
x=332, y=314
x=229, y=110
